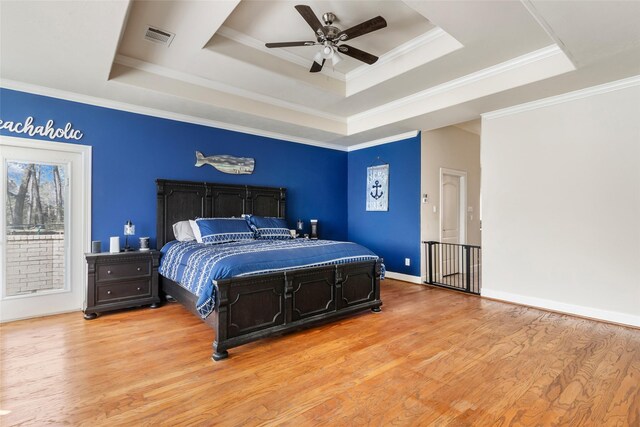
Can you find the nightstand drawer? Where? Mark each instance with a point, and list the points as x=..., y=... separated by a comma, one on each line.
x=123, y=290
x=127, y=270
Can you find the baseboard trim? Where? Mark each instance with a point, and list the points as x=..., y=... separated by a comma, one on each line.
x=55, y=313
x=560, y=307
x=403, y=277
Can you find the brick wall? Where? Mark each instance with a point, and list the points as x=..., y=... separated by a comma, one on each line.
x=34, y=263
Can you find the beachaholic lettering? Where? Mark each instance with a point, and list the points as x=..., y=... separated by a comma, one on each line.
x=48, y=130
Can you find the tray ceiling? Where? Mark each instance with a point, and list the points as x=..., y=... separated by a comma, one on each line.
x=440, y=62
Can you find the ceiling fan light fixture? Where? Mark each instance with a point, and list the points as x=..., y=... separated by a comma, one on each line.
x=328, y=37
x=335, y=58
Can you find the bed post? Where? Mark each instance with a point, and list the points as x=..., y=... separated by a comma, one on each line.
x=288, y=298
x=338, y=279
x=282, y=203
x=219, y=349
x=377, y=271
x=160, y=215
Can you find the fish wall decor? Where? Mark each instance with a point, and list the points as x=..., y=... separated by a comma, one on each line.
x=227, y=164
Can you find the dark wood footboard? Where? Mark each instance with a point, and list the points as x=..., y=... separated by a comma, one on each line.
x=256, y=307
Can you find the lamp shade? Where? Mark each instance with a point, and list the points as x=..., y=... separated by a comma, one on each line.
x=129, y=228
x=318, y=58
x=335, y=58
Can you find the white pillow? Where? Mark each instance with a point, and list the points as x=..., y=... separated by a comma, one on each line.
x=196, y=230
x=183, y=232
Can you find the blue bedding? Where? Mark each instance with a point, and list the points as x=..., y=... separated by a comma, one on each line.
x=196, y=266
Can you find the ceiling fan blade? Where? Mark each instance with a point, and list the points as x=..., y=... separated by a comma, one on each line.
x=315, y=67
x=358, y=54
x=289, y=44
x=372, y=24
x=311, y=18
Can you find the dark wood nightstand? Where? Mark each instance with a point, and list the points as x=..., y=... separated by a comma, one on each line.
x=121, y=280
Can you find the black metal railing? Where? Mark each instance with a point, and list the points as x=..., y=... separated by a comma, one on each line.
x=454, y=266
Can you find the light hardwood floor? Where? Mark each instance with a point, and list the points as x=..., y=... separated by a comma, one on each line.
x=432, y=357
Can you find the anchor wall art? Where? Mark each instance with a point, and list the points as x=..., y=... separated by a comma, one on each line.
x=378, y=188
x=227, y=164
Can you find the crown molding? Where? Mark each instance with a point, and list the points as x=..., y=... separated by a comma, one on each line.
x=249, y=41
x=566, y=97
x=222, y=87
x=153, y=112
x=469, y=79
x=547, y=28
x=381, y=141
x=423, y=39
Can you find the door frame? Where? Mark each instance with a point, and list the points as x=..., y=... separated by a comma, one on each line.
x=85, y=152
x=462, y=238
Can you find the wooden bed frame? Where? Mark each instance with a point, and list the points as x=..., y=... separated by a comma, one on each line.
x=255, y=307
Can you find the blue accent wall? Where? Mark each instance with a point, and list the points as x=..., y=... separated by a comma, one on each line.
x=395, y=234
x=130, y=151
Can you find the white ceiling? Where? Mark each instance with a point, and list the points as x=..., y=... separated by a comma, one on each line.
x=440, y=63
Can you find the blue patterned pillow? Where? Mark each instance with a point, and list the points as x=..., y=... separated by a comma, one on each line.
x=269, y=228
x=223, y=230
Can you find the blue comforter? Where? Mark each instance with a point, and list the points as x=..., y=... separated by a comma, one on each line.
x=196, y=266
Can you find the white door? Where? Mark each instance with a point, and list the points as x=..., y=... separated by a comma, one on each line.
x=44, y=229
x=450, y=208
x=452, y=221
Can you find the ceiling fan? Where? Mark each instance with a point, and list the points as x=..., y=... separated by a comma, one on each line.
x=329, y=38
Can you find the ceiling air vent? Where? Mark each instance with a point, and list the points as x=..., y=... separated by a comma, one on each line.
x=159, y=36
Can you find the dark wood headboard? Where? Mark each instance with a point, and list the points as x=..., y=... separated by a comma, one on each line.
x=182, y=200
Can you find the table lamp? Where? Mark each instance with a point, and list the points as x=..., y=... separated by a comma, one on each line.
x=129, y=230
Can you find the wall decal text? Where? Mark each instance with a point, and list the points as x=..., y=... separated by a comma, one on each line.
x=48, y=130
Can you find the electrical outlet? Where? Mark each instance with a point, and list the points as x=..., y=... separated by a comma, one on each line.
x=407, y=262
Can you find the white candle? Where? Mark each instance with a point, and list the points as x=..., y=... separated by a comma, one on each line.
x=114, y=246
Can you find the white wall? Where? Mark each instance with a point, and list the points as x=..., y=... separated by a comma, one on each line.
x=452, y=148
x=561, y=203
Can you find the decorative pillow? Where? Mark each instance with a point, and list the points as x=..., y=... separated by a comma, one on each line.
x=223, y=230
x=269, y=228
x=183, y=232
x=196, y=230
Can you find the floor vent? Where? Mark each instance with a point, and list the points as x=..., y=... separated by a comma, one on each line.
x=159, y=36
